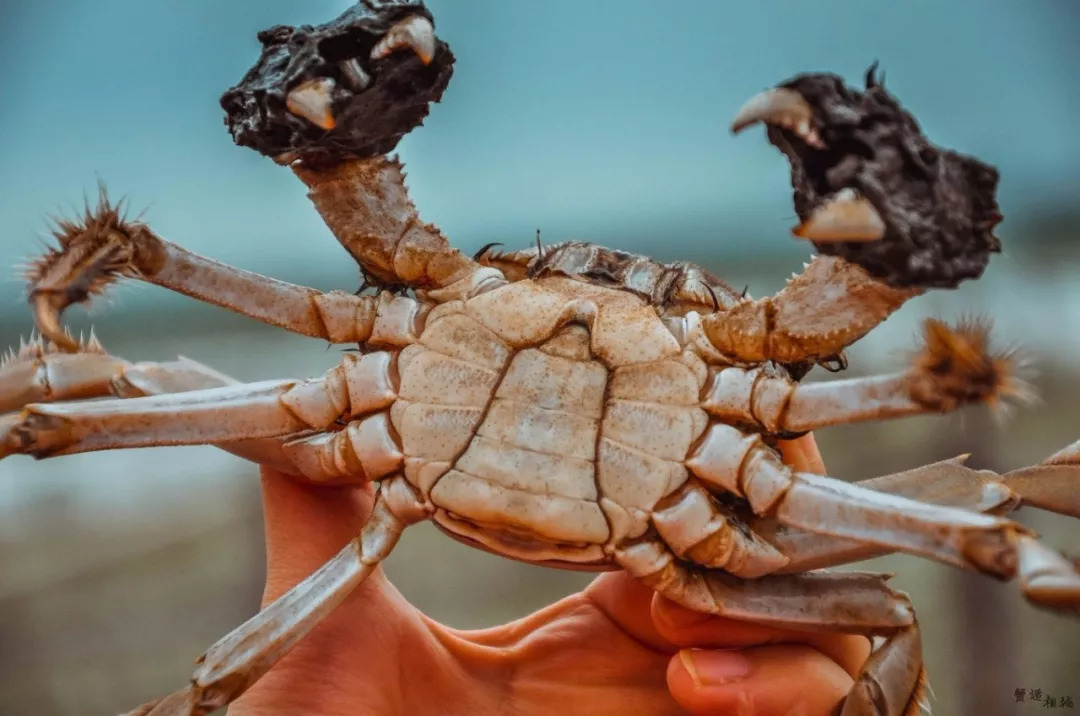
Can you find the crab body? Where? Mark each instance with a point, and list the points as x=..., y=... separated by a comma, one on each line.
x=544, y=419
x=531, y=398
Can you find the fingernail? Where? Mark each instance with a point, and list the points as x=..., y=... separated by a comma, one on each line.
x=714, y=667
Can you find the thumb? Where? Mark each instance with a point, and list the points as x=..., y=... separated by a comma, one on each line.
x=772, y=680
x=306, y=525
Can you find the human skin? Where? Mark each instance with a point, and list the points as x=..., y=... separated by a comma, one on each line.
x=615, y=647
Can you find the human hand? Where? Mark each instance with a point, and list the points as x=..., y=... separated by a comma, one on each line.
x=616, y=647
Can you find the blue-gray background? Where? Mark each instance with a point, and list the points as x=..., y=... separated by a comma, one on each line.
x=600, y=120
x=577, y=117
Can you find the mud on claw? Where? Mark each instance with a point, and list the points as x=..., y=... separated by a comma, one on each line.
x=571, y=405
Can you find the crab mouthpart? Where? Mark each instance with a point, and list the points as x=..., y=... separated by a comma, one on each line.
x=415, y=32
x=844, y=217
x=312, y=100
x=780, y=107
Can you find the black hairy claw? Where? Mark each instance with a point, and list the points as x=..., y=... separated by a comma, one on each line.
x=369, y=121
x=938, y=206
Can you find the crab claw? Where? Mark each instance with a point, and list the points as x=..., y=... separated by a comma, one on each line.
x=311, y=100
x=415, y=32
x=326, y=94
x=846, y=216
x=871, y=189
x=781, y=107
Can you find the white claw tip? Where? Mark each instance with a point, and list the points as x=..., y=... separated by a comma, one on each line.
x=845, y=217
x=782, y=107
x=415, y=32
x=311, y=100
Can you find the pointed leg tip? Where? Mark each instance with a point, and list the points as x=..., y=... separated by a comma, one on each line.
x=188, y=701
x=920, y=697
x=8, y=445
x=182, y=702
x=1047, y=578
x=1058, y=592
x=47, y=321
x=997, y=496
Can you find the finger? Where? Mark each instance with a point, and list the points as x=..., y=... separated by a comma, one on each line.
x=779, y=680
x=802, y=454
x=628, y=603
x=685, y=628
x=305, y=526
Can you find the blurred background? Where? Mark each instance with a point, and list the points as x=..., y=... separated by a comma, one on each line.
x=603, y=121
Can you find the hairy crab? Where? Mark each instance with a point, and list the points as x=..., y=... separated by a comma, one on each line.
x=570, y=405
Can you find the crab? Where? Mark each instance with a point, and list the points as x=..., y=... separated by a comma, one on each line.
x=571, y=405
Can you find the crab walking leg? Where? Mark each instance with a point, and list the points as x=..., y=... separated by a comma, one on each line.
x=742, y=464
x=856, y=602
x=104, y=247
x=826, y=308
x=954, y=367
x=696, y=528
x=850, y=602
x=946, y=483
x=779, y=404
x=295, y=308
x=237, y=661
x=38, y=373
x=41, y=376
x=892, y=681
x=384, y=321
x=359, y=385
x=250, y=410
x=184, y=374
x=1053, y=484
x=367, y=207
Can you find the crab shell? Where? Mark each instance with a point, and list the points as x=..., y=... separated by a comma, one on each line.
x=545, y=419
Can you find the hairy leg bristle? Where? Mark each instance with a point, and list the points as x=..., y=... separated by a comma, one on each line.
x=957, y=365
x=91, y=252
x=97, y=224
x=38, y=346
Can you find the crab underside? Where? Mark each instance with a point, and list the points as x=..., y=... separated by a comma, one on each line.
x=571, y=405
